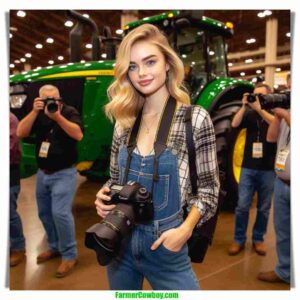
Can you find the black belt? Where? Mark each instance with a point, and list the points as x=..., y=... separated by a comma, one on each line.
x=287, y=182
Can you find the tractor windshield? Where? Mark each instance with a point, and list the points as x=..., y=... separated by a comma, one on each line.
x=203, y=56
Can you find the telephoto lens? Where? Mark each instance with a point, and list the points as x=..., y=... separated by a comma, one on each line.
x=105, y=237
x=251, y=98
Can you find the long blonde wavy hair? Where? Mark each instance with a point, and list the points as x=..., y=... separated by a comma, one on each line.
x=126, y=101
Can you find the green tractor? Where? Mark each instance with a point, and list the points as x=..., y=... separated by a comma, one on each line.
x=198, y=40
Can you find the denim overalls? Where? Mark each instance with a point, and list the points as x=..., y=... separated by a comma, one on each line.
x=164, y=269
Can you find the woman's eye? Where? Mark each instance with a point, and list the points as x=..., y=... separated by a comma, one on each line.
x=132, y=68
x=150, y=62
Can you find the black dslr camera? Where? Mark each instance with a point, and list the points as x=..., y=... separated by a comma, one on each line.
x=51, y=104
x=271, y=101
x=133, y=205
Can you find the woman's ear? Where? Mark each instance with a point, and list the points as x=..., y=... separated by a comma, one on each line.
x=167, y=67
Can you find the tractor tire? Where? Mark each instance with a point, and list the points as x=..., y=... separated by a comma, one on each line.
x=227, y=153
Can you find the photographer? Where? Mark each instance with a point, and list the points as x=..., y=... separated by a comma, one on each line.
x=56, y=135
x=148, y=81
x=279, y=131
x=257, y=172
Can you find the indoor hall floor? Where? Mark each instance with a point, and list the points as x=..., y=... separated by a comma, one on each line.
x=218, y=272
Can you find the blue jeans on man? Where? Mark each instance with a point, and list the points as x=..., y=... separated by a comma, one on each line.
x=17, y=239
x=55, y=194
x=250, y=181
x=282, y=226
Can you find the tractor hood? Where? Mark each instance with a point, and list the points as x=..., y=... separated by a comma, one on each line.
x=86, y=69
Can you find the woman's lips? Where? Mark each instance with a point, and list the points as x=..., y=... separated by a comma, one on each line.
x=145, y=82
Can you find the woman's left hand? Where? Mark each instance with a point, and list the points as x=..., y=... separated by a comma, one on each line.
x=173, y=239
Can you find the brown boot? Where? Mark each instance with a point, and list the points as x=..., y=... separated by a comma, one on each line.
x=235, y=248
x=65, y=267
x=45, y=256
x=16, y=257
x=260, y=248
x=269, y=276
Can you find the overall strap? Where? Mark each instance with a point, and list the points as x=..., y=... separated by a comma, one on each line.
x=161, y=140
x=191, y=149
x=132, y=143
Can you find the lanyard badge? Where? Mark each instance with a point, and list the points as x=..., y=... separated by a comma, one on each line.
x=281, y=159
x=44, y=149
x=257, y=150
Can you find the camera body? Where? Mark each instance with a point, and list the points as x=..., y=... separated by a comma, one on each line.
x=136, y=195
x=271, y=101
x=133, y=205
x=51, y=104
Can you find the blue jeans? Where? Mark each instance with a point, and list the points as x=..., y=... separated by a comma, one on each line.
x=282, y=219
x=55, y=194
x=251, y=181
x=17, y=240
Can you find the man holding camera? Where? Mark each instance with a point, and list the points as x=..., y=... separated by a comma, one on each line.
x=257, y=172
x=279, y=131
x=57, y=133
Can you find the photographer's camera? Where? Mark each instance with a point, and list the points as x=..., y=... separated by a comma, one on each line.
x=51, y=104
x=271, y=101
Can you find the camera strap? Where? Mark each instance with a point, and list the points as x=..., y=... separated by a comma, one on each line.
x=160, y=143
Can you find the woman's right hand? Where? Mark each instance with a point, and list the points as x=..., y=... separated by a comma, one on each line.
x=102, y=209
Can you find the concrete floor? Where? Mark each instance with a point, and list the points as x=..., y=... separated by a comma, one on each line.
x=218, y=272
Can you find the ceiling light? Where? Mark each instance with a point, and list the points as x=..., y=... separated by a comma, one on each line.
x=82, y=61
x=242, y=73
x=230, y=64
x=50, y=40
x=10, y=35
x=288, y=34
x=16, y=61
x=267, y=13
x=22, y=59
x=278, y=69
x=211, y=52
x=86, y=15
x=258, y=71
x=39, y=46
x=88, y=46
x=251, y=41
x=183, y=55
x=249, y=61
x=60, y=57
x=261, y=15
x=21, y=13
x=103, y=55
x=50, y=62
x=11, y=28
x=28, y=55
x=119, y=31
x=68, y=23
x=254, y=80
x=11, y=65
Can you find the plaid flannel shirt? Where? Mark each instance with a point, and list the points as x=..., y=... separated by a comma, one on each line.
x=206, y=160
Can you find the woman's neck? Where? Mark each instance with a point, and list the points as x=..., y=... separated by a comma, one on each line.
x=155, y=103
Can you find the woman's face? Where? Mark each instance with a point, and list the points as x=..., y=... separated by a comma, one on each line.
x=148, y=67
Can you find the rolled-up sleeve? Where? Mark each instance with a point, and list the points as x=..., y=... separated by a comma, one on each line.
x=207, y=166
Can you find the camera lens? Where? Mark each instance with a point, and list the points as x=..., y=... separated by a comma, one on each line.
x=251, y=98
x=52, y=106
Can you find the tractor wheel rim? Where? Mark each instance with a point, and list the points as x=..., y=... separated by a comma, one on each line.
x=238, y=154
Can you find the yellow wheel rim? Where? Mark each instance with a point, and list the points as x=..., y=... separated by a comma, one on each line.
x=238, y=154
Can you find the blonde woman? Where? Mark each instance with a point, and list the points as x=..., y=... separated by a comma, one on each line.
x=147, y=73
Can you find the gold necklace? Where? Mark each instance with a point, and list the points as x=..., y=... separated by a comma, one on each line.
x=148, y=127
